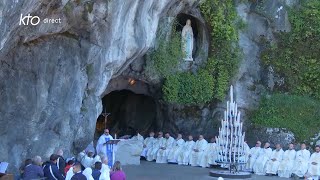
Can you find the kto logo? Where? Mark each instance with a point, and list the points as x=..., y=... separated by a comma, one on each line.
x=33, y=20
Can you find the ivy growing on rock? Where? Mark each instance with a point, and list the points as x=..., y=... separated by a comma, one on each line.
x=167, y=55
x=223, y=58
x=296, y=54
x=188, y=88
x=212, y=80
x=295, y=113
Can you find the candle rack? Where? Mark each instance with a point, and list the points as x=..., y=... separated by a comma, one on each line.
x=230, y=141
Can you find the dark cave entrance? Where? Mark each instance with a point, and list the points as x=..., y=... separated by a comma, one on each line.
x=130, y=112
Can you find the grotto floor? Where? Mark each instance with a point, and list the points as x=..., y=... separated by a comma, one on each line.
x=153, y=171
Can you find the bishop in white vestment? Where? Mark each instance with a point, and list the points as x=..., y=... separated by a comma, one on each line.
x=301, y=162
x=176, y=149
x=274, y=162
x=184, y=156
x=259, y=166
x=198, y=151
x=286, y=165
x=165, y=147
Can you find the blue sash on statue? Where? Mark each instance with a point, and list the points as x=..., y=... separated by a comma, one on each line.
x=109, y=151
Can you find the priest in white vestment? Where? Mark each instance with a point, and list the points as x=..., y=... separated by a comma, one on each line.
x=176, y=149
x=165, y=148
x=286, y=165
x=147, y=144
x=184, y=156
x=152, y=152
x=301, y=162
x=210, y=154
x=198, y=151
x=104, y=147
x=274, y=162
x=253, y=155
x=259, y=166
x=314, y=165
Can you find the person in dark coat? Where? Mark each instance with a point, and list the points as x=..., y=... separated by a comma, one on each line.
x=51, y=171
x=77, y=172
x=61, y=163
x=32, y=171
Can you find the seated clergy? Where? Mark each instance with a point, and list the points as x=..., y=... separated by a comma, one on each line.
x=210, y=154
x=198, y=151
x=253, y=155
x=286, y=165
x=165, y=147
x=176, y=149
x=275, y=159
x=314, y=165
x=183, y=157
x=259, y=166
x=301, y=162
x=147, y=144
x=152, y=152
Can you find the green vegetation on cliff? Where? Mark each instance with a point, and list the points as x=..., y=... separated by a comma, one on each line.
x=296, y=55
x=211, y=80
x=223, y=58
x=295, y=113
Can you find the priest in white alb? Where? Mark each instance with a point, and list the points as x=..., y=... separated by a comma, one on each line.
x=253, y=155
x=210, y=154
x=259, y=166
x=198, y=151
x=176, y=149
x=301, y=162
x=183, y=157
x=147, y=144
x=104, y=147
x=152, y=152
x=286, y=165
x=165, y=148
x=274, y=162
x=314, y=165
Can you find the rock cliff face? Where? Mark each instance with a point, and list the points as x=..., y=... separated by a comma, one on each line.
x=53, y=75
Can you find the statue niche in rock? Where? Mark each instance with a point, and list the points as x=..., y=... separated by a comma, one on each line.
x=187, y=41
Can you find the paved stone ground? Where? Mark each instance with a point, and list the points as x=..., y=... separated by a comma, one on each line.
x=152, y=171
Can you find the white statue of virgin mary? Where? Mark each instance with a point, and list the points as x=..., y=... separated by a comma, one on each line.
x=187, y=41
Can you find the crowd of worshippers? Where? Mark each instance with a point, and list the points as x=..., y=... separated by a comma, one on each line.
x=261, y=161
x=57, y=168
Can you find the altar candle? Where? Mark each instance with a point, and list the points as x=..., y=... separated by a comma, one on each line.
x=115, y=136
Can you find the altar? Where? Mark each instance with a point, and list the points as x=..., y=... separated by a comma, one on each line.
x=128, y=151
